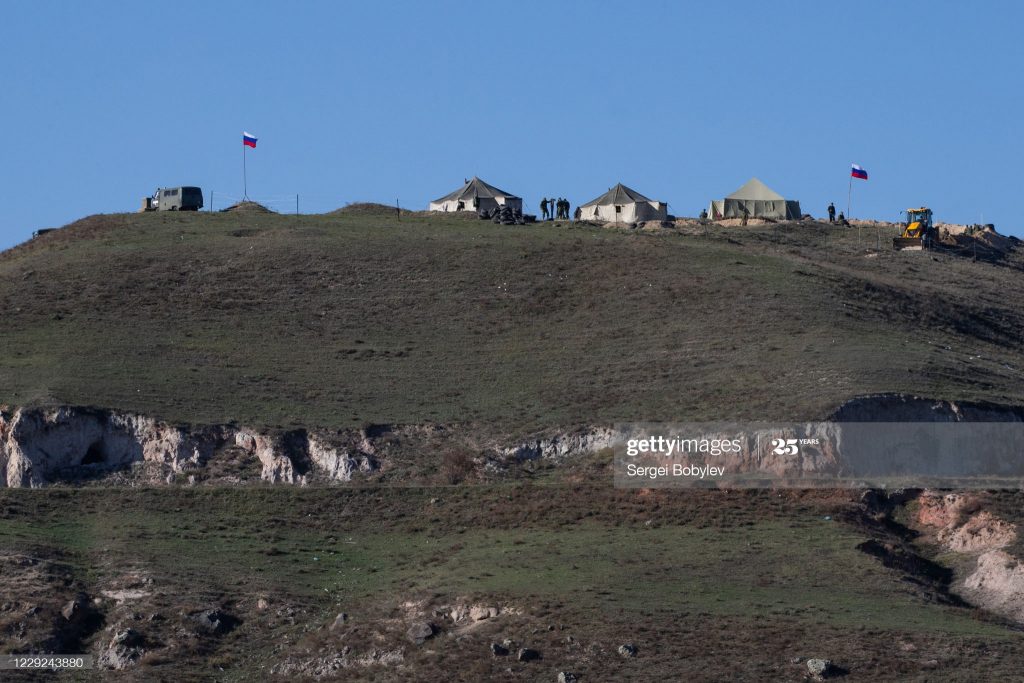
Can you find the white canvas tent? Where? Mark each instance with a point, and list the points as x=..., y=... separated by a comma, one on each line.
x=757, y=200
x=623, y=205
x=476, y=195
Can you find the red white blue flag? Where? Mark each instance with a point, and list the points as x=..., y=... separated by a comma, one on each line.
x=858, y=172
x=249, y=140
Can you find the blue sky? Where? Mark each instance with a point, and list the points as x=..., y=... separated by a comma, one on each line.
x=378, y=101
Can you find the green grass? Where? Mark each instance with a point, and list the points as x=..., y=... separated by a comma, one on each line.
x=796, y=565
x=344, y=320
x=682, y=574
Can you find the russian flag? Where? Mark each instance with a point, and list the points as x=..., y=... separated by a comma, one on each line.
x=249, y=140
x=856, y=172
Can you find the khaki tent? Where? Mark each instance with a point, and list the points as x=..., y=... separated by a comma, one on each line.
x=757, y=200
x=623, y=205
x=476, y=195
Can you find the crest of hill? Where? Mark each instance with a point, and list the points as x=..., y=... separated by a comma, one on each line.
x=247, y=207
x=364, y=209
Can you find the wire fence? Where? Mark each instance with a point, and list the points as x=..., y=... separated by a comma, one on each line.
x=297, y=203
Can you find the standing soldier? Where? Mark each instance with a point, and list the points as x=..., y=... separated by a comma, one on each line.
x=544, y=208
x=831, y=212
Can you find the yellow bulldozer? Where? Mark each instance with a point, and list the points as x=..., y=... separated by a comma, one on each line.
x=918, y=231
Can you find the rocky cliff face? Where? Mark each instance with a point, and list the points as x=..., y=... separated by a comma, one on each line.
x=41, y=445
x=38, y=446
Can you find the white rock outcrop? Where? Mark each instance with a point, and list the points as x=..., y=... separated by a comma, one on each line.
x=36, y=445
x=42, y=445
x=335, y=463
x=563, y=446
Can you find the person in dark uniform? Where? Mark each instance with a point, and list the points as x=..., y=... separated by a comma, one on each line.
x=544, y=208
x=831, y=212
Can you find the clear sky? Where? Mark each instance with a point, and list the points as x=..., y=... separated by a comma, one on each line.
x=378, y=101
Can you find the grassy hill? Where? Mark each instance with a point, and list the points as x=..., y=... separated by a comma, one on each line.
x=361, y=317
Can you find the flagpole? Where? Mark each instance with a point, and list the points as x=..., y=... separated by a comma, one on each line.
x=849, y=196
x=245, y=180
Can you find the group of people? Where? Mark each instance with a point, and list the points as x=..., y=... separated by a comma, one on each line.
x=832, y=215
x=554, y=208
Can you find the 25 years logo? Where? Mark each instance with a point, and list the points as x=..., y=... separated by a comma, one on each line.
x=785, y=446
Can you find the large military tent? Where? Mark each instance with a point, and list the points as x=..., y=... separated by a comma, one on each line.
x=476, y=195
x=758, y=201
x=623, y=205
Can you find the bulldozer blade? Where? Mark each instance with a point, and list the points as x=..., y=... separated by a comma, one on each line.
x=907, y=244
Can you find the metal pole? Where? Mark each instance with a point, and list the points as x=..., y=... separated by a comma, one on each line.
x=849, y=197
x=245, y=180
x=296, y=203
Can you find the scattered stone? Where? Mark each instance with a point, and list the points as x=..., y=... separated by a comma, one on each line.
x=796, y=660
x=527, y=655
x=419, y=632
x=128, y=637
x=262, y=603
x=627, y=650
x=820, y=669
x=499, y=650
x=123, y=651
x=566, y=677
x=339, y=621
x=74, y=609
x=480, y=613
x=214, y=621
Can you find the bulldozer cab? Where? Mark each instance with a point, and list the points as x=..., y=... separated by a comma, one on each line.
x=917, y=231
x=919, y=221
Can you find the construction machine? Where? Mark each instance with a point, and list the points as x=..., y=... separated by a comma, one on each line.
x=918, y=231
